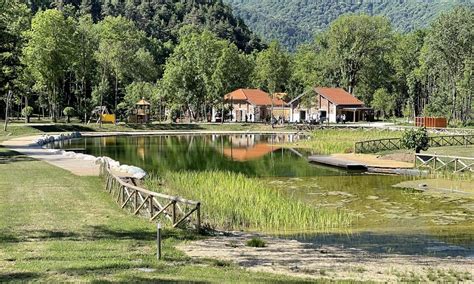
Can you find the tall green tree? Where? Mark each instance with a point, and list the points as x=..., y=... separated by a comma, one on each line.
x=85, y=64
x=356, y=45
x=14, y=20
x=405, y=61
x=272, y=70
x=201, y=70
x=383, y=102
x=49, y=54
x=121, y=54
x=447, y=62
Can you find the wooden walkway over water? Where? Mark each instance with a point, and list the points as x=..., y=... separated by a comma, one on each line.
x=359, y=162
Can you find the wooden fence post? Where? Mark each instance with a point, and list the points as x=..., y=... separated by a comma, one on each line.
x=198, y=217
x=173, y=212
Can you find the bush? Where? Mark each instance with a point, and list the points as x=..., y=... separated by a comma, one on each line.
x=256, y=243
x=27, y=112
x=68, y=111
x=415, y=139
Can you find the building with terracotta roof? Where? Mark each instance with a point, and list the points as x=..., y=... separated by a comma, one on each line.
x=336, y=102
x=252, y=105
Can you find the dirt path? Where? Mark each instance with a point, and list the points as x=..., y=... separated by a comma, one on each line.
x=25, y=146
x=290, y=257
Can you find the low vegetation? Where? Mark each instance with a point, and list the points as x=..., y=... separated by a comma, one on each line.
x=66, y=229
x=416, y=139
x=332, y=141
x=256, y=243
x=234, y=201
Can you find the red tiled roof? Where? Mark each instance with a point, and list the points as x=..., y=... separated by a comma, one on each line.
x=338, y=96
x=245, y=154
x=253, y=96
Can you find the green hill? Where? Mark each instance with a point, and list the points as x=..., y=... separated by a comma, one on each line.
x=295, y=21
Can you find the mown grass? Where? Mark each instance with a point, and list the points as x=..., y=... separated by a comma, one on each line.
x=233, y=201
x=57, y=227
x=332, y=141
x=20, y=128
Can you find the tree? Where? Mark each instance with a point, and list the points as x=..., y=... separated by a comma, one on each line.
x=14, y=20
x=416, y=139
x=68, y=112
x=272, y=70
x=357, y=44
x=86, y=42
x=447, y=62
x=405, y=61
x=383, y=102
x=121, y=53
x=305, y=67
x=27, y=112
x=49, y=66
x=201, y=70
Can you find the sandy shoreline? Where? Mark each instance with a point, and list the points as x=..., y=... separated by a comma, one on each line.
x=294, y=258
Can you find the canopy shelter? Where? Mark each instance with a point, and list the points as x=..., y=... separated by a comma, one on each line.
x=141, y=112
x=357, y=113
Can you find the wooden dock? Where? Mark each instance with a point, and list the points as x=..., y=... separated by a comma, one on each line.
x=337, y=162
x=364, y=162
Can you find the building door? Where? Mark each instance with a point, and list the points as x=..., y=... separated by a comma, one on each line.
x=302, y=115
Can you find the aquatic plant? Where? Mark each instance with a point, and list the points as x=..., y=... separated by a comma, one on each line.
x=234, y=201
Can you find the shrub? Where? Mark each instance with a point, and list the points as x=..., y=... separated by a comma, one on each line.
x=27, y=112
x=415, y=139
x=68, y=111
x=256, y=243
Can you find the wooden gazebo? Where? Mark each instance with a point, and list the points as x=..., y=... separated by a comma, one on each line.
x=141, y=112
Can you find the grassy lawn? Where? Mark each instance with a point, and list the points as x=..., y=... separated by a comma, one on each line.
x=22, y=129
x=462, y=151
x=331, y=141
x=57, y=227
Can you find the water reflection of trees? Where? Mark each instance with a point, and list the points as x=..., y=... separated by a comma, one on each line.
x=207, y=152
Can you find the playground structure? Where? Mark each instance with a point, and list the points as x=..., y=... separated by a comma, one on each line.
x=102, y=113
x=141, y=112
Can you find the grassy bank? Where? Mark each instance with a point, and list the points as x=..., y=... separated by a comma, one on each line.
x=32, y=128
x=57, y=227
x=331, y=141
x=234, y=201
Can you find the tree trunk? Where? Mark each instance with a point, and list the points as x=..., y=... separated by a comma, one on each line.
x=116, y=93
x=7, y=103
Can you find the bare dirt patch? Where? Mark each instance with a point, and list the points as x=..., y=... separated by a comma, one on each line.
x=291, y=257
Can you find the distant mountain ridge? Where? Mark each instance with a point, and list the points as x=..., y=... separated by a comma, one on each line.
x=293, y=22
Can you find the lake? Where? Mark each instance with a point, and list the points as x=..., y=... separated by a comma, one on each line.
x=388, y=219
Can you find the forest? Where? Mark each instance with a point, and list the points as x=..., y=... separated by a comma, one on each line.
x=64, y=57
x=293, y=22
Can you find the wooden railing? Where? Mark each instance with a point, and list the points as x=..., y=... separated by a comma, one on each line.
x=444, y=163
x=388, y=144
x=451, y=140
x=373, y=146
x=151, y=204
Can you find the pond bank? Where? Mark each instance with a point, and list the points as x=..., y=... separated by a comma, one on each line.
x=295, y=258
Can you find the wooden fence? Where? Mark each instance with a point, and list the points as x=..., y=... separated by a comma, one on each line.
x=373, y=146
x=389, y=144
x=151, y=204
x=444, y=163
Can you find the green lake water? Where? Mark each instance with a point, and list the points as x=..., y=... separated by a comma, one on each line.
x=388, y=219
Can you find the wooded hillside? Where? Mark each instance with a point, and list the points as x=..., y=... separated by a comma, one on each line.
x=293, y=22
